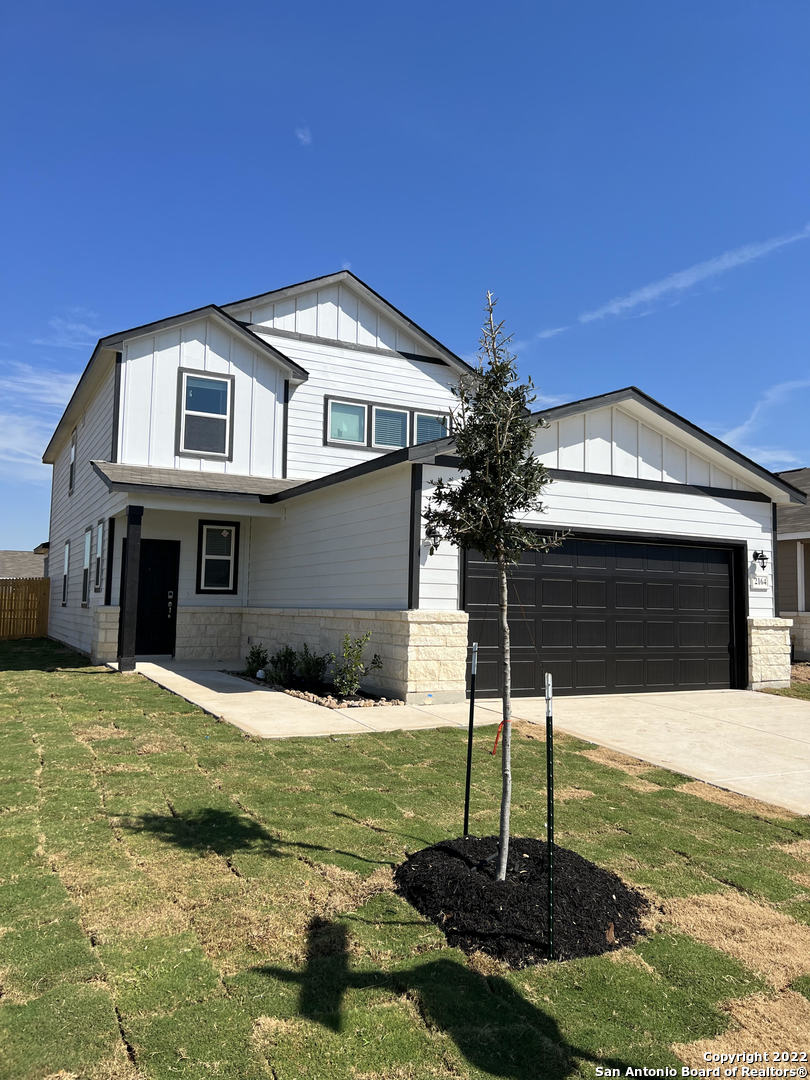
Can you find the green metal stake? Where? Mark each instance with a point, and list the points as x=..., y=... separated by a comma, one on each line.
x=550, y=813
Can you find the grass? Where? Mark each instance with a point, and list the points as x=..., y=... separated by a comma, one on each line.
x=799, y=683
x=179, y=900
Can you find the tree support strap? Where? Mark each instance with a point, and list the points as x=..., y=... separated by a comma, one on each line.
x=498, y=734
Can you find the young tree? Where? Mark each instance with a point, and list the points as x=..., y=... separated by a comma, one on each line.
x=500, y=481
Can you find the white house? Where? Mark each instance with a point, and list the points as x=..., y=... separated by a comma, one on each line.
x=258, y=471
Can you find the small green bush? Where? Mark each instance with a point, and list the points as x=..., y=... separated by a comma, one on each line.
x=349, y=671
x=255, y=660
x=311, y=666
x=283, y=666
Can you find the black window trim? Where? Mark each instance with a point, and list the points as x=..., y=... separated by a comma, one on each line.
x=65, y=572
x=179, y=449
x=87, y=554
x=202, y=524
x=370, y=406
x=99, y=555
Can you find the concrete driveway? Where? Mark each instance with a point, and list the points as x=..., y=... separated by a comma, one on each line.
x=752, y=743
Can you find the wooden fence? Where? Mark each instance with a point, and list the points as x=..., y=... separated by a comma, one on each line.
x=24, y=607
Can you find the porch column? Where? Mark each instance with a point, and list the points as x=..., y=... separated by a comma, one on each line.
x=129, y=591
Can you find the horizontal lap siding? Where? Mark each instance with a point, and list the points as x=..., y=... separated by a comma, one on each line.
x=612, y=509
x=343, y=547
x=149, y=400
x=359, y=376
x=70, y=516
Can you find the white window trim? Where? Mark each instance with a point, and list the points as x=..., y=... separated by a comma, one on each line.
x=72, y=461
x=87, y=555
x=225, y=455
x=395, y=409
x=355, y=404
x=432, y=416
x=65, y=573
x=98, y=557
x=219, y=558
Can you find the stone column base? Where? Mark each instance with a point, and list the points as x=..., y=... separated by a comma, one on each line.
x=800, y=636
x=769, y=653
x=104, y=646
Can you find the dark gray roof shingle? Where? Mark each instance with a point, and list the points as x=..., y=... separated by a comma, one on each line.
x=201, y=483
x=795, y=518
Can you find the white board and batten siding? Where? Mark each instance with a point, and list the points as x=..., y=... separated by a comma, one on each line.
x=612, y=441
x=149, y=399
x=344, y=546
x=71, y=514
x=574, y=505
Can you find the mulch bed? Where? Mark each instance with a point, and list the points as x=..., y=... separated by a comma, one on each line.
x=453, y=884
x=322, y=694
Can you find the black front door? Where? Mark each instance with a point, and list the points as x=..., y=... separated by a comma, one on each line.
x=157, y=597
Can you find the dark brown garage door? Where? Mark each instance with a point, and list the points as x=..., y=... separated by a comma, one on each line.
x=604, y=616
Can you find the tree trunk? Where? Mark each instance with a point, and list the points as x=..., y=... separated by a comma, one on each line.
x=506, y=743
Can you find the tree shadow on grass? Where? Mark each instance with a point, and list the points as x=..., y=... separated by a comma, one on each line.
x=496, y=1029
x=39, y=654
x=225, y=833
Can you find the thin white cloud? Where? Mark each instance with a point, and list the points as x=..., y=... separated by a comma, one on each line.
x=685, y=279
x=45, y=388
x=304, y=136
x=541, y=335
x=73, y=332
x=37, y=396
x=549, y=400
x=22, y=440
x=345, y=266
x=772, y=457
x=772, y=396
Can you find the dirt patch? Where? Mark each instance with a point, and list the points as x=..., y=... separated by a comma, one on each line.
x=799, y=849
x=96, y=732
x=733, y=801
x=568, y=793
x=453, y=884
x=347, y=890
x=644, y=786
x=761, y=938
x=800, y=673
x=602, y=756
x=760, y=1022
x=267, y=1030
x=629, y=956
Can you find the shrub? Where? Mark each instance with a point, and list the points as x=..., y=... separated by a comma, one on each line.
x=351, y=669
x=311, y=666
x=255, y=660
x=282, y=666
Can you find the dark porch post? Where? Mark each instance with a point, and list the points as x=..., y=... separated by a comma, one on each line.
x=129, y=591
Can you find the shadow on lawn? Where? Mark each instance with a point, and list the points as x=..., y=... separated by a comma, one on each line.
x=39, y=654
x=495, y=1028
x=225, y=833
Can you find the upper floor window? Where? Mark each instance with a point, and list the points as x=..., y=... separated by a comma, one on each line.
x=205, y=424
x=390, y=427
x=347, y=422
x=72, y=462
x=428, y=426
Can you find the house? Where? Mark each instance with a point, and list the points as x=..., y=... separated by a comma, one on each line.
x=793, y=564
x=22, y=564
x=257, y=472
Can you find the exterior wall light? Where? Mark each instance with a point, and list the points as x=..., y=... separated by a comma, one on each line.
x=762, y=558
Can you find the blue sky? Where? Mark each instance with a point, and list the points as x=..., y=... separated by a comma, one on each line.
x=631, y=179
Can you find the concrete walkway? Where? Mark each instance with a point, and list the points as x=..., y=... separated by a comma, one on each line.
x=754, y=744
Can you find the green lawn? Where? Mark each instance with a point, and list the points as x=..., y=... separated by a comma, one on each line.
x=178, y=900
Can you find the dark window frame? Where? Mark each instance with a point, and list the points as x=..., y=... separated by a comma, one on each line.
x=72, y=460
x=370, y=406
x=179, y=449
x=202, y=524
x=99, y=555
x=65, y=572
x=87, y=558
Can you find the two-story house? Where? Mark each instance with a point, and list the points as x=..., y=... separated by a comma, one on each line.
x=258, y=472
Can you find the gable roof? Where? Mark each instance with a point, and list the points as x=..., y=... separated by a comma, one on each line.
x=795, y=518
x=103, y=355
x=365, y=291
x=633, y=394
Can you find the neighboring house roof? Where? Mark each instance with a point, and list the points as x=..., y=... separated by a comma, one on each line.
x=21, y=564
x=795, y=519
x=145, y=477
x=632, y=393
x=366, y=292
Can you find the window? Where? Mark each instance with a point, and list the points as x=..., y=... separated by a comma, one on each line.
x=99, y=548
x=217, y=556
x=390, y=427
x=206, y=406
x=428, y=427
x=65, y=568
x=347, y=422
x=88, y=541
x=72, y=462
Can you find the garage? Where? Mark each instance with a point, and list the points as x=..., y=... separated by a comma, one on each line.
x=613, y=614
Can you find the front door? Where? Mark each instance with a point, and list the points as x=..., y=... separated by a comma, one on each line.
x=157, y=597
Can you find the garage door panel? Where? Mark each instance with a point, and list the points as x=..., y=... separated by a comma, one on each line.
x=609, y=615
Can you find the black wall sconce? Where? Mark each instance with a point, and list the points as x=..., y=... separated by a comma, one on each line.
x=762, y=558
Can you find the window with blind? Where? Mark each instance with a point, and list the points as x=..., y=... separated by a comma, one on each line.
x=428, y=426
x=390, y=427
